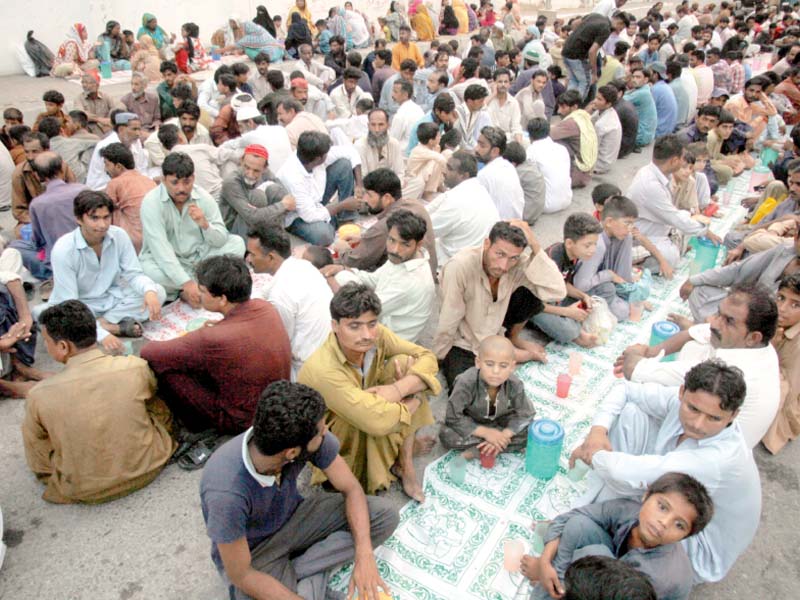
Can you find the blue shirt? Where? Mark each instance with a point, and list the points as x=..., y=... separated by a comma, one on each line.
x=648, y=58
x=682, y=100
x=238, y=502
x=642, y=100
x=413, y=140
x=666, y=108
x=52, y=214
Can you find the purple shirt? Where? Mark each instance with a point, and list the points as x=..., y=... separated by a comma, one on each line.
x=52, y=213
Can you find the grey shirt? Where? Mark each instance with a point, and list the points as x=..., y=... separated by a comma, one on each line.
x=764, y=267
x=611, y=255
x=533, y=189
x=242, y=206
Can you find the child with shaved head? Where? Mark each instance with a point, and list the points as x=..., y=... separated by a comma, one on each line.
x=487, y=409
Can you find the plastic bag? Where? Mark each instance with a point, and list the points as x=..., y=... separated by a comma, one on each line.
x=40, y=56
x=600, y=321
x=25, y=61
x=638, y=291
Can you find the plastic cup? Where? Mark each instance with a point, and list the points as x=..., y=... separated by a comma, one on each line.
x=195, y=324
x=562, y=385
x=538, y=536
x=637, y=308
x=513, y=550
x=488, y=460
x=458, y=470
x=578, y=472
x=575, y=363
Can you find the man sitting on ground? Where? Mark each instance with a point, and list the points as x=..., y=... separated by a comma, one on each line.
x=498, y=175
x=375, y=386
x=127, y=128
x=212, y=377
x=96, y=431
x=266, y=540
x=75, y=151
x=181, y=226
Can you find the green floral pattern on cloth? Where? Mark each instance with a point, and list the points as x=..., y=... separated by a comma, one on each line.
x=451, y=547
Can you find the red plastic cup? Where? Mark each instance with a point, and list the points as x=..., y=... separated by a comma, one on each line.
x=488, y=460
x=562, y=385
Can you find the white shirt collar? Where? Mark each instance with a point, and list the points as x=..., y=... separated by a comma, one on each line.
x=263, y=480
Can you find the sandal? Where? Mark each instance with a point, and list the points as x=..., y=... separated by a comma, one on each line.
x=199, y=454
x=186, y=441
x=127, y=328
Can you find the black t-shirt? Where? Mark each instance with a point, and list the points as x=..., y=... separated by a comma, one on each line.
x=594, y=29
x=567, y=266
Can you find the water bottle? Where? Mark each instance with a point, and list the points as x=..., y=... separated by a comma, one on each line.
x=662, y=331
x=545, y=439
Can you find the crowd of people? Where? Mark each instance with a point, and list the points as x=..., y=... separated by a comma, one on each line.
x=391, y=195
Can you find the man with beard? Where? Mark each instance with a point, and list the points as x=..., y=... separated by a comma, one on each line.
x=407, y=70
x=143, y=103
x=378, y=149
x=375, y=386
x=499, y=176
x=297, y=121
x=95, y=104
x=311, y=98
x=504, y=109
x=408, y=112
x=739, y=333
x=191, y=130
x=250, y=196
x=127, y=130
x=258, y=80
x=255, y=130
x=403, y=283
x=442, y=114
x=531, y=101
x=314, y=72
x=432, y=81
x=207, y=159
x=182, y=225
x=383, y=196
x=383, y=71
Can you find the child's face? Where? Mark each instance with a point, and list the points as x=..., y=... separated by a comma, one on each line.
x=700, y=163
x=788, y=308
x=495, y=366
x=619, y=228
x=665, y=519
x=582, y=248
x=51, y=108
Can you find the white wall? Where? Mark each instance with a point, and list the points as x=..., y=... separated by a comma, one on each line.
x=51, y=19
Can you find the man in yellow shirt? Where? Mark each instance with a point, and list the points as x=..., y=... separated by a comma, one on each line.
x=405, y=48
x=375, y=386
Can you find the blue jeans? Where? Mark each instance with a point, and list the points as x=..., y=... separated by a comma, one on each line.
x=39, y=269
x=339, y=179
x=579, y=75
x=556, y=327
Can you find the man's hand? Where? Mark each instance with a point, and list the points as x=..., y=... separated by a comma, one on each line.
x=198, y=216
x=289, y=202
x=626, y=363
x=390, y=393
x=348, y=204
x=640, y=350
x=769, y=107
x=616, y=278
x=190, y=293
x=495, y=437
x=112, y=344
x=714, y=237
x=686, y=290
x=576, y=313
x=666, y=269
x=365, y=579
x=17, y=332
x=529, y=567
x=152, y=305
x=529, y=235
x=331, y=270
x=596, y=440
x=548, y=579
x=734, y=255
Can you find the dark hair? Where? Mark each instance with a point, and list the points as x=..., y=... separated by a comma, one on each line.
x=450, y=139
x=695, y=493
x=444, y=103
x=168, y=65
x=47, y=166
x=192, y=30
x=619, y=207
x=50, y=126
x=70, y=321
x=88, y=201
x=225, y=275
x=53, y=96
x=30, y=136
x=790, y=282
x=699, y=55
x=608, y=92
x=674, y=69
x=503, y=230
x=496, y=137
x=229, y=80
x=762, y=311
x=405, y=87
x=189, y=107
x=351, y=73
x=222, y=70
x=353, y=300
x=579, y=225
x=319, y=256
x=336, y=39
x=288, y=104
x=475, y=91
x=709, y=111
x=667, y=147
x=17, y=132
x=569, y=98
x=13, y=113
x=240, y=69
x=465, y=163
x=606, y=578
x=79, y=117
x=515, y=153
x=409, y=225
x=365, y=104
x=621, y=48
x=386, y=55
x=354, y=59
x=604, y=191
x=427, y=132
x=178, y=164
x=538, y=129
x=468, y=67
x=408, y=65
x=721, y=380
x=183, y=91
x=384, y=181
x=272, y=238
x=168, y=136
x=286, y=417
x=262, y=57
x=119, y=154
x=312, y=145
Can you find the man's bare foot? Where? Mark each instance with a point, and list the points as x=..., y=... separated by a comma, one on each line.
x=529, y=567
x=587, y=340
x=116, y=329
x=30, y=373
x=408, y=479
x=683, y=322
x=534, y=350
x=15, y=389
x=423, y=444
x=648, y=306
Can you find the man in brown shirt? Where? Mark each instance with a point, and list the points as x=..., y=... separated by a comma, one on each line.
x=382, y=193
x=96, y=105
x=25, y=184
x=126, y=189
x=143, y=103
x=95, y=431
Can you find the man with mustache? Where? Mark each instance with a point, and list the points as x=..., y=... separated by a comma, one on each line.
x=739, y=333
x=188, y=120
x=643, y=431
x=378, y=149
x=182, y=225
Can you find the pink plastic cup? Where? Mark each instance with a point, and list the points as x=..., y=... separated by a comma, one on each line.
x=637, y=308
x=488, y=460
x=513, y=550
x=575, y=363
x=562, y=385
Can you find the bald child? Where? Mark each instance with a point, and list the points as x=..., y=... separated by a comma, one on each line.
x=487, y=411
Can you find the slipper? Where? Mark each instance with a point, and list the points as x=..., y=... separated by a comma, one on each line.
x=127, y=328
x=186, y=441
x=199, y=454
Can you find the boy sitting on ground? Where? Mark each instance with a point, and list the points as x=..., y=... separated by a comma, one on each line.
x=562, y=322
x=644, y=534
x=601, y=193
x=488, y=409
x=604, y=578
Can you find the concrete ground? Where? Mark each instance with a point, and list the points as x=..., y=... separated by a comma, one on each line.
x=152, y=544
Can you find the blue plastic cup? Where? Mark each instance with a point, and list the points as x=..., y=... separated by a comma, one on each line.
x=105, y=70
x=662, y=331
x=705, y=255
x=458, y=470
x=545, y=439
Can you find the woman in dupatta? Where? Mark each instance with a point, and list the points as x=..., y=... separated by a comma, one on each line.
x=394, y=19
x=297, y=35
x=421, y=21
x=75, y=55
x=472, y=17
x=301, y=8
x=449, y=25
x=338, y=26
x=263, y=19
x=151, y=27
x=146, y=59
x=190, y=56
x=114, y=47
x=255, y=39
x=460, y=8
